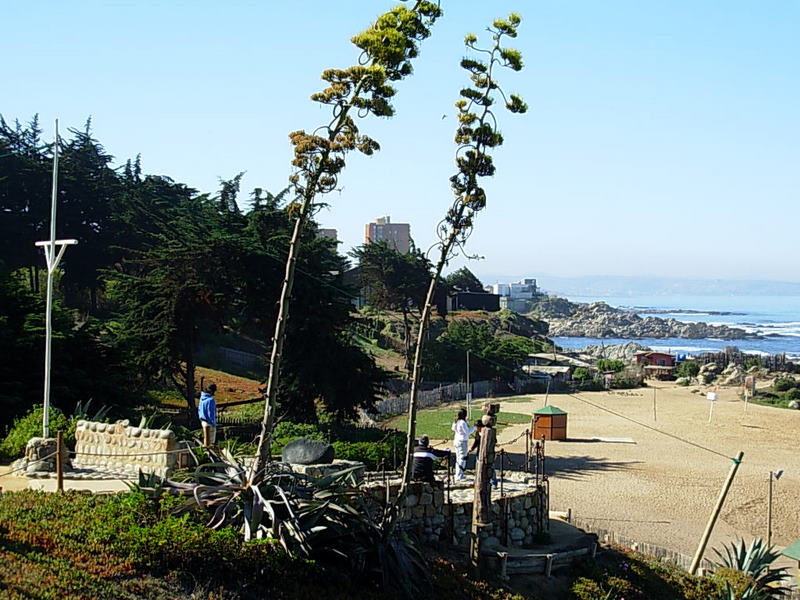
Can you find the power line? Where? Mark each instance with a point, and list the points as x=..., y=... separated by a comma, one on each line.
x=651, y=428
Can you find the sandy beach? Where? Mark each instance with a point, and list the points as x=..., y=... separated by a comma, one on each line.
x=661, y=490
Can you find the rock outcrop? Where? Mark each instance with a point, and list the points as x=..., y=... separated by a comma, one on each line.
x=731, y=375
x=624, y=352
x=600, y=320
x=303, y=451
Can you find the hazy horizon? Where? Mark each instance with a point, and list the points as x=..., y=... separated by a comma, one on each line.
x=643, y=285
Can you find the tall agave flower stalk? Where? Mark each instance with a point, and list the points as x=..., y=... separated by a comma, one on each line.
x=388, y=48
x=476, y=135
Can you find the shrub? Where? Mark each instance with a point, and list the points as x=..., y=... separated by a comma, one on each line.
x=286, y=431
x=784, y=384
x=586, y=380
x=792, y=394
x=371, y=453
x=29, y=426
x=610, y=365
x=688, y=369
x=626, y=383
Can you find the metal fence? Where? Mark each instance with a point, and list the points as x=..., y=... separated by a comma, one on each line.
x=441, y=395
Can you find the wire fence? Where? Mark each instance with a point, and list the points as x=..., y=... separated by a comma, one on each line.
x=660, y=552
x=612, y=537
x=441, y=395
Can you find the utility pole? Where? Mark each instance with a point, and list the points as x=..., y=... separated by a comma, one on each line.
x=712, y=521
x=772, y=475
x=469, y=392
x=52, y=258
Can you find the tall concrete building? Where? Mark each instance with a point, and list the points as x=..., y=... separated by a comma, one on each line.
x=328, y=233
x=397, y=235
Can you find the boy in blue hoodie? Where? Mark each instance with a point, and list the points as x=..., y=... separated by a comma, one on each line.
x=207, y=411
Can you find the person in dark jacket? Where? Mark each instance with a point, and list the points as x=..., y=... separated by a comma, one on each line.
x=424, y=455
x=476, y=443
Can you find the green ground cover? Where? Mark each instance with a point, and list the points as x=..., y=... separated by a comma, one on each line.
x=127, y=547
x=435, y=423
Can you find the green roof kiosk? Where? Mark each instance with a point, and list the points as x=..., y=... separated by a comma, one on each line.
x=793, y=552
x=550, y=422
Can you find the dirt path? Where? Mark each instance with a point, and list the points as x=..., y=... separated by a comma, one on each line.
x=662, y=490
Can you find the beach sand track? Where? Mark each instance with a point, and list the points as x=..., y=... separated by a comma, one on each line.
x=661, y=490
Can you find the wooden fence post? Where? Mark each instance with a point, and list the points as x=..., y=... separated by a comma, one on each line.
x=59, y=462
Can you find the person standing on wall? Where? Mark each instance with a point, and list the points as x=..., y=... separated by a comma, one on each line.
x=207, y=411
x=462, y=431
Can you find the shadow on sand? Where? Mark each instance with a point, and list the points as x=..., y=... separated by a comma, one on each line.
x=565, y=467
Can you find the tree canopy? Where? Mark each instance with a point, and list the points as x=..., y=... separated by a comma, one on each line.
x=160, y=272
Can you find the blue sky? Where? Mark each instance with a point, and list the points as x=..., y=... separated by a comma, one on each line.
x=662, y=138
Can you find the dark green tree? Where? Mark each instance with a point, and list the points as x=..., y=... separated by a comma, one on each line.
x=174, y=283
x=88, y=187
x=320, y=329
x=463, y=280
x=25, y=178
x=494, y=355
x=394, y=281
x=85, y=365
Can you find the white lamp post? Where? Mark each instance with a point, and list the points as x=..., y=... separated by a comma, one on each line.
x=52, y=258
x=772, y=475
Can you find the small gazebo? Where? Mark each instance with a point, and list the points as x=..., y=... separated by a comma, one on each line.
x=793, y=552
x=550, y=422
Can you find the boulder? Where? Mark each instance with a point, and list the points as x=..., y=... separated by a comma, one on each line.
x=794, y=404
x=732, y=376
x=303, y=451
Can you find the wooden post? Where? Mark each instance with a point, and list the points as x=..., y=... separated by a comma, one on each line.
x=59, y=462
x=712, y=521
x=655, y=416
x=482, y=503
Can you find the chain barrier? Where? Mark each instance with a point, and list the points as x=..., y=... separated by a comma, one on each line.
x=49, y=456
x=519, y=437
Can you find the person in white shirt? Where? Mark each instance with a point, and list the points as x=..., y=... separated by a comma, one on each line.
x=462, y=431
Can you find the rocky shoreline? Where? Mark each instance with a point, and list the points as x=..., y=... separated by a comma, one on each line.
x=599, y=320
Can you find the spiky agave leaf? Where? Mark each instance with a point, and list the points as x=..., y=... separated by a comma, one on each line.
x=754, y=561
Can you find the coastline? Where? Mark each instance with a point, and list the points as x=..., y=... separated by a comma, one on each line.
x=774, y=319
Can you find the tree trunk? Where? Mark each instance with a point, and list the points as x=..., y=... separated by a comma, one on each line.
x=406, y=341
x=188, y=387
x=265, y=442
x=416, y=379
x=482, y=502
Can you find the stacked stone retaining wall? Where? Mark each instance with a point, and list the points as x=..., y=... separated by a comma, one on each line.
x=428, y=513
x=119, y=448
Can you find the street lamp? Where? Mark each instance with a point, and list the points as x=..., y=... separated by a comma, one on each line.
x=52, y=257
x=776, y=475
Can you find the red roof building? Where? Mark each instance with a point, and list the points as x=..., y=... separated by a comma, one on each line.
x=655, y=359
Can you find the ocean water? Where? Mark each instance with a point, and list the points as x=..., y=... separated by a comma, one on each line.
x=776, y=319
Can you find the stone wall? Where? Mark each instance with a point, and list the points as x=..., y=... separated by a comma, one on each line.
x=428, y=513
x=124, y=450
